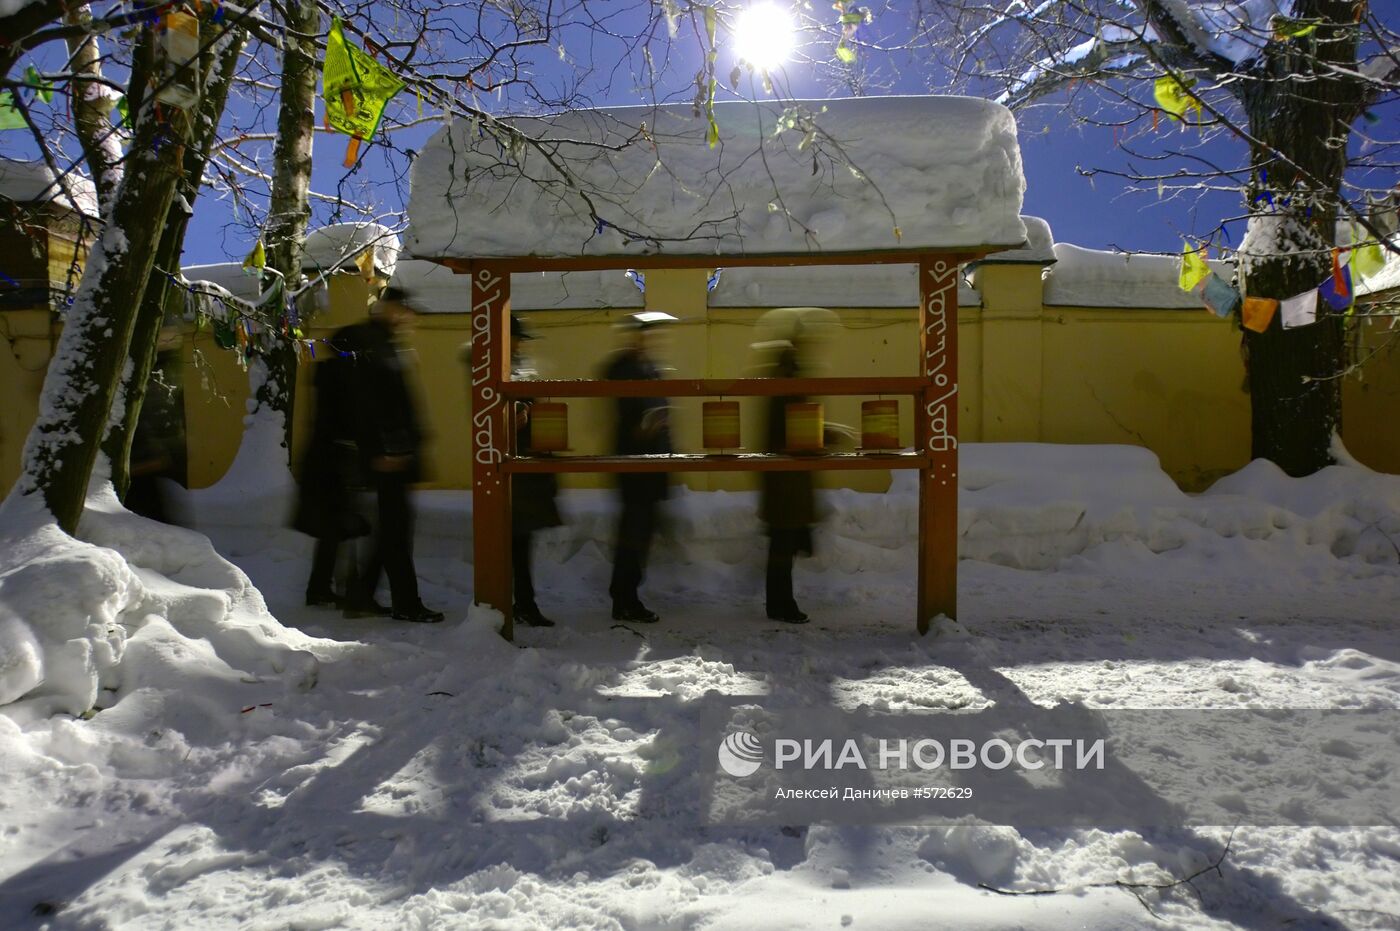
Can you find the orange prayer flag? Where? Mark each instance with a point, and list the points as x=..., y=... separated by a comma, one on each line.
x=1258, y=313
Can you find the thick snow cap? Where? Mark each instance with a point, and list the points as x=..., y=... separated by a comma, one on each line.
x=33, y=183
x=884, y=173
x=339, y=245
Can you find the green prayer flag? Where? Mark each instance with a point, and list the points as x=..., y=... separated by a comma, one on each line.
x=1288, y=28
x=10, y=117
x=355, y=87
x=42, y=89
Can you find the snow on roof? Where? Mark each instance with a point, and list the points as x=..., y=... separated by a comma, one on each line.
x=340, y=244
x=33, y=183
x=1090, y=278
x=1387, y=279
x=437, y=289
x=826, y=286
x=844, y=176
x=1038, y=250
x=228, y=275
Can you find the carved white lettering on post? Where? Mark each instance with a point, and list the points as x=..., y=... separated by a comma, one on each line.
x=940, y=439
x=485, y=398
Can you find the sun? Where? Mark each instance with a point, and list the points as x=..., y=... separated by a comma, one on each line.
x=763, y=36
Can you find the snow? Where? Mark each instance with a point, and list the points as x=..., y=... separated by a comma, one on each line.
x=827, y=286
x=1387, y=279
x=338, y=245
x=1093, y=278
x=1235, y=30
x=891, y=173
x=437, y=289
x=441, y=777
x=34, y=182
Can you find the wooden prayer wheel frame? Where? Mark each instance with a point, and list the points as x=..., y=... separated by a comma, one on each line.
x=935, y=393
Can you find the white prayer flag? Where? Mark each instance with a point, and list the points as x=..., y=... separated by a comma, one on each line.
x=1299, y=310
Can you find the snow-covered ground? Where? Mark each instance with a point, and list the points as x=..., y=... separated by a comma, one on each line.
x=439, y=777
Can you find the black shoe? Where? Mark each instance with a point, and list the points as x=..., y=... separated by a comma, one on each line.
x=419, y=614
x=788, y=614
x=325, y=599
x=369, y=608
x=637, y=613
x=530, y=615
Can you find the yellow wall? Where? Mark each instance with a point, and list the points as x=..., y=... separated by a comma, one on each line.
x=1170, y=380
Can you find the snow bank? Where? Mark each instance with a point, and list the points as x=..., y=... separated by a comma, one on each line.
x=891, y=173
x=33, y=183
x=71, y=608
x=1093, y=278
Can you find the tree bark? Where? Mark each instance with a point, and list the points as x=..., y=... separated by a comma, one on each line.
x=84, y=376
x=289, y=208
x=1297, y=109
x=92, y=109
x=220, y=62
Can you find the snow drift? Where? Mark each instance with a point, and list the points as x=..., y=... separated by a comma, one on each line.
x=70, y=608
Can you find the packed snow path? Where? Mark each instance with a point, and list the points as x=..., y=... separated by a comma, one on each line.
x=438, y=777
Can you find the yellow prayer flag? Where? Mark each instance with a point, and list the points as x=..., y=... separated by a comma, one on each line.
x=1175, y=97
x=1194, y=269
x=1367, y=260
x=257, y=259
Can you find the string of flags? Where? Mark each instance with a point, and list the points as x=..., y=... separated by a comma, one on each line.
x=1257, y=313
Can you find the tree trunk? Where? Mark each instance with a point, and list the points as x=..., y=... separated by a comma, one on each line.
x=1297, y=109
x=218, y=67
x=92, y=109
x=85, y=374
x=289, y=207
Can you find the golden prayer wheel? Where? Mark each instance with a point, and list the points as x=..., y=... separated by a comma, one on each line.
x=549, y=427
x=879, y=424
x=805, y=426
x=720, y=424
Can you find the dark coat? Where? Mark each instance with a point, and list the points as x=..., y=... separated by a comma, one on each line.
x=788, y=501
x=331, y=470
x=630, y=439
x=382, y=415
x=534, y=496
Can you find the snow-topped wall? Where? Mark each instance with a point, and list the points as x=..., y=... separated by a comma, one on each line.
x=845, y=175
x=1092, y=278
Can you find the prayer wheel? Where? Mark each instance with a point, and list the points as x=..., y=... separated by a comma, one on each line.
x=720, y=424
x=805, y=426
x=549, y=427
x=879, y=424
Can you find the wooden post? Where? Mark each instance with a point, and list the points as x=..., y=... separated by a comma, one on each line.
x=492, y=430
x=936, y=433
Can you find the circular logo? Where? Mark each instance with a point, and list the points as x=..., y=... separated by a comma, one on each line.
x=740, y=754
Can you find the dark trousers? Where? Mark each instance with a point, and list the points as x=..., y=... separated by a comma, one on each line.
x=323, y=561
x=392, y=553
x=520, y=547
x=635, y=527
x=784, y=543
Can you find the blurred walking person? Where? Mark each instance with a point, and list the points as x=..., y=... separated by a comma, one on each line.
x=787, y=501
x=329, y=480
x=534, y=495
x=642, y=428
x=389, y=439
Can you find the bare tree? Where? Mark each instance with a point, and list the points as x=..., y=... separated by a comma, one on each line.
x=1293, y=86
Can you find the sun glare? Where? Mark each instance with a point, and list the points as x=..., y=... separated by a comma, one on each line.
x=763, y=36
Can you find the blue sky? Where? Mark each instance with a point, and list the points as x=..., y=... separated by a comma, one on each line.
x=1101, y=213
